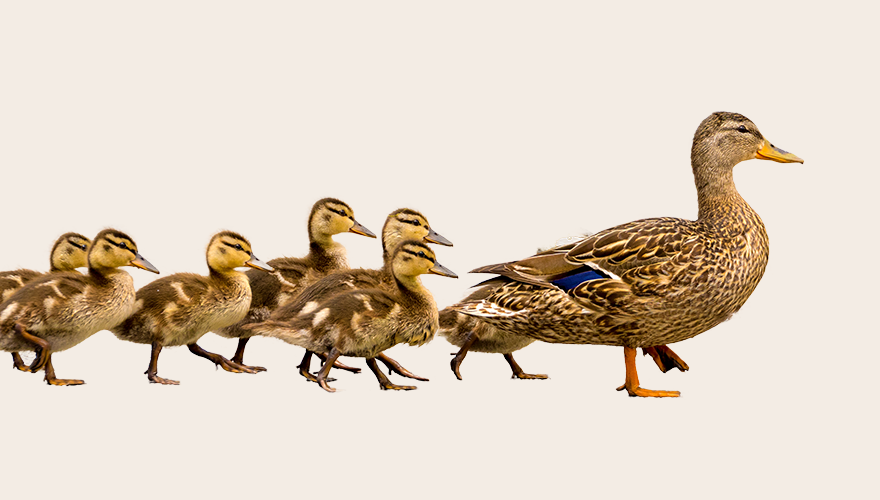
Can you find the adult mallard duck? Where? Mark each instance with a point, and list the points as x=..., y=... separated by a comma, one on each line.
x=69, y=252
x=180, y=308
x=58, y=311
x=328, y=217
x=650, y=282
x=400, y=225
x=363, y=323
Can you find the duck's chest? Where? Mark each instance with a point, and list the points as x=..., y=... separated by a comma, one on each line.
x=228, y=304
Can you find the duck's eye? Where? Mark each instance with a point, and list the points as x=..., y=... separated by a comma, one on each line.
x=238, y=246
x=743, y=129
x=413, y=222
x=422, y=255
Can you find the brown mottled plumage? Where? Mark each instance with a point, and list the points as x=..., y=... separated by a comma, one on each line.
x=401, y=224
x=58, y=311
x=328, y=217
x=180, y=308
x=69, y=252
x=363, y=323
x=653, y=281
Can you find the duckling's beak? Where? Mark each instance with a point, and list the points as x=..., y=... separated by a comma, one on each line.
x=442, y=271
x=258, y=264
x=141, y=263
x=433, y=237
x=357, y=228
x=771, y=152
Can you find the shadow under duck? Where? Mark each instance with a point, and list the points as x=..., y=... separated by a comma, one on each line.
x=58, y=311
x=363, y=323
x=650, y=282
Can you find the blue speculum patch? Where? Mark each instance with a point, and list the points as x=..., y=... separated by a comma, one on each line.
x=577, y=277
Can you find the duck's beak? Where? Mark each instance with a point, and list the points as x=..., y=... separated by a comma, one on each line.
x=771, y=152
x=258, y=264
x=434, y=237
x=141, y=263
x=357, y=228
x=442, y=271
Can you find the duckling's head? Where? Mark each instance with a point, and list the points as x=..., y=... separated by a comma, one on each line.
x=330, y=216
x=71, y=251
x=112, y=248
x=407, y=224
x=228, y=250
x=412, y=258
x=724, y=139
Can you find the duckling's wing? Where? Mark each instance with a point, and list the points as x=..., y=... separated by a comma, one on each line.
x=336, y=283
x=42, y=294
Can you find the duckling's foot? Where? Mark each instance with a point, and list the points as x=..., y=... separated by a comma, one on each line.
x=219, y=360
x=632, y=379
x=519, y=373
x=337, y=364
x=238, y=358
x=17, y=362
x=384, y=383
x=322, y=374
x=459, y=357
x=42, y=348
x=51, y=380
x=665, y=358
x=159, y=380
x=304, y=366
x=394, y=367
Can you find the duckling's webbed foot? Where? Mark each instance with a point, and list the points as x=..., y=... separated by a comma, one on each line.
x=304, y=367
x=219, y=360
x=632, y=379
x=459, y=357
x=519, y=373
x=153, y=369
x=238, y=358
x=337, y=364
x=51, y=380
x=395, y=367
x=665, y=358
x=41, y=346
x=328, y=364
x=384, y=383
x=18, y=363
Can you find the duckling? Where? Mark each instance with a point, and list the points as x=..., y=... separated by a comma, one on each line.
x=69, y=252
x=365, y=322
x=57, y=311
x=400, y=225
x=328, y=217
x=650, y=282
x=180, y=308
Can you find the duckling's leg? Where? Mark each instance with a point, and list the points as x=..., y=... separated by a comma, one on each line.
x=17, y=362
x=337, y=364
x=394, y=366
x=51, y=380
x=239, y=355
x=632, y=379
x=219, y=360
x=456, y=361
x=154, y=367
x=328, y=364
x=384, y=383
x=665, y=358
x=42, y=348
x=518, y=372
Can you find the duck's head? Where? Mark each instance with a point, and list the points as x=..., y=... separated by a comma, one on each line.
x=412, y=258
x=228, y=250
x=330, y=216
x=71, y=251
x=112, y=248
x=724, y=139
x=407, y=224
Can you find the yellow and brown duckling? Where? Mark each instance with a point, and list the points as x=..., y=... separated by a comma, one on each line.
x=650, y=282
x=363, y=323
x=400, y=225
x=328, y=217
x=180, y=308
x=69, y=252
x=57, y=311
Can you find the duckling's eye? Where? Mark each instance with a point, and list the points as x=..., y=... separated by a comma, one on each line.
x=77, y=245
x=743, y=129
x=413, y=222
x=338, y=212
x=238, y=246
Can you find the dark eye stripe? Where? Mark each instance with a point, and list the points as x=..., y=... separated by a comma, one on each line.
x=122, y=245
x=423, y=255
x=236, y=246
x=413, y=222
x=77, y=245
x=339, y=212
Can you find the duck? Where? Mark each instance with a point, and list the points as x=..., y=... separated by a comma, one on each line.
x=55, y=312
x=328, y=217
x=69, y=252
x=400, y=225
x=650, y=282
x=180, y=308
x=365, y=322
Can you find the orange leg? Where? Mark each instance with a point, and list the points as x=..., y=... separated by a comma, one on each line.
x=665, y=358
x=42, y=348
x=17, y=362
x=518, y=371
x=632, y=379
x=51, y=380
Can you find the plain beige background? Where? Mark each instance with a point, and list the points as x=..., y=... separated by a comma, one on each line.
x=509, y=125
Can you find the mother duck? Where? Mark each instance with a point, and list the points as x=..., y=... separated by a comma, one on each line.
x=650, y=282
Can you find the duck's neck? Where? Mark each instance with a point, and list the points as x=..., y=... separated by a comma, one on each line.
x=325, y=254
x=411, y=287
